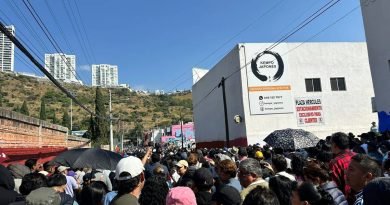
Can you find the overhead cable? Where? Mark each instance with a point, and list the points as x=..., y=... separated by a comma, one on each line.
x=41, y=68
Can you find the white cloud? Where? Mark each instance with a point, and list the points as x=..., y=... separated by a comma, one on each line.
x=139, y=87
x=85, y=67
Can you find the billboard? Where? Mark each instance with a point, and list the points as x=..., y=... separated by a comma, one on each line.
x=309, y=111
x=269, y=86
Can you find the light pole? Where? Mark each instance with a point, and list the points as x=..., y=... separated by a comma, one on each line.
x=111, y=131
x=181, y=129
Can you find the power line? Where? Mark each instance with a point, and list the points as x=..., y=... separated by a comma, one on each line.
x=36, y=63
x=50, y=37
x=85, y=31
x=29, y=27
x=236, y=35
x=76, y=34
x=324, y=29
x=59, y=26
x=308, y=20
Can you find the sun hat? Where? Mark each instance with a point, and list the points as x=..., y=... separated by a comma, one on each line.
x=131, y=165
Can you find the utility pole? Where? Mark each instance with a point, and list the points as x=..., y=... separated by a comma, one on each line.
x=111, y=132
x=181, y=129
x=222, y=83
x=71, y=116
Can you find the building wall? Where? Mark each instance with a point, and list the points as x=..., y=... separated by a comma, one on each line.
x=104, y=75
x=208, y=104
x=376, y=18
x=61, y=66
x=348, y=111
x=7, y=49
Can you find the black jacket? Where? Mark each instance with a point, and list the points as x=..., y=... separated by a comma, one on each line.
x=7, y=185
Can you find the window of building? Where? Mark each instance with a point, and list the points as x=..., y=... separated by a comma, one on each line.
x=313, y=85
x=337, y=84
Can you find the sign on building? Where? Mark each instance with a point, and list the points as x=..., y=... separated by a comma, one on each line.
x=309, y=111
x=269, y=86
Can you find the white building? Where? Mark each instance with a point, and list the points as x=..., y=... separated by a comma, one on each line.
x=61, y=66
x=159, y=92
x=198, y=73
x=105, y=75
x=320, y=87
x=376, y=22
x=7, y=49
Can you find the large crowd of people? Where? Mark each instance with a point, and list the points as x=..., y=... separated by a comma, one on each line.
x=342, y=169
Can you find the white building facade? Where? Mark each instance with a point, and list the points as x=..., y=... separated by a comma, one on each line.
x=105, y=75
x=61, y=66
x=319, y=87
x=376, y=18
x=7, y=51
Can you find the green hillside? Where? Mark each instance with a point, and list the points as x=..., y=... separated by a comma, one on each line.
x=132, y=108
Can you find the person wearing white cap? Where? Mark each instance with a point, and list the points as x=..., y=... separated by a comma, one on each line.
x=130, y=176
x=71, y=183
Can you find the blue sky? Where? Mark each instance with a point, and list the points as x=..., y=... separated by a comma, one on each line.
x=156, y=43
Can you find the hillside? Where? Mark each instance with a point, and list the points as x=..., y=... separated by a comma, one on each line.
x=148, y=110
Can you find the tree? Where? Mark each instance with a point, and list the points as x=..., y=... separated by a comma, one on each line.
x=66, y=119
x=100, y=133
x=54, y=119
x=42, y=112
x=24, y=109
x=16, y=109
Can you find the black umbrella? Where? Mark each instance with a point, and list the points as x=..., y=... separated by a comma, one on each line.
x=89, y=157
x=291, y=139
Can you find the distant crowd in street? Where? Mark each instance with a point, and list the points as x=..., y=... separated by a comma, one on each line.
x=342, y=169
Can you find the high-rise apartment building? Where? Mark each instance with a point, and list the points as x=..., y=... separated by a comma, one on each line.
x=7, y=49
x=104, y=75
x=61, y=66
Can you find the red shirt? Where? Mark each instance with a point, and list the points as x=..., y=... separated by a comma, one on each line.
x=339, y=166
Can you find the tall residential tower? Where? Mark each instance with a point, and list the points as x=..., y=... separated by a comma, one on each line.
x=61, y=66
x=7, y=49
x=105, y=75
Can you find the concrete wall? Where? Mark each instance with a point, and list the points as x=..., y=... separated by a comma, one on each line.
x=376, y=18
x=208, y=105
x=348, y=111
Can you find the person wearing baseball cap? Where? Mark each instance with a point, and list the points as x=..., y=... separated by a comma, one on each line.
x=182, y=171
x=71, y=183
x=130, y=176
x=182, y=167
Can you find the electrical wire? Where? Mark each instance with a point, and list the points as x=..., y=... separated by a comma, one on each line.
x=260, y=17
x=76, y=34
x=36, y=63
x=50, y=37
x=315, y=35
